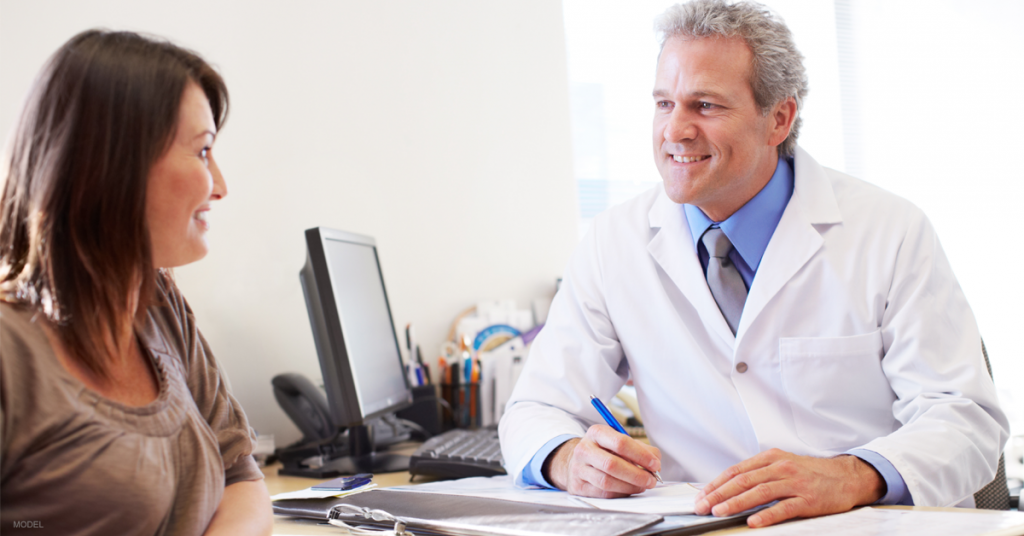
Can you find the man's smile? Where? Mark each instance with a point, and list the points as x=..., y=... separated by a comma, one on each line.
x=688, y=159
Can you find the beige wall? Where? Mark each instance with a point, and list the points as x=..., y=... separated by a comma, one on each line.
x=440, y=128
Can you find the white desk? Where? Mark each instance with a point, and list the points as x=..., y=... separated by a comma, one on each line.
x=303, y=527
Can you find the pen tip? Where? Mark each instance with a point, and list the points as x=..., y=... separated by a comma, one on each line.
x=592, y=397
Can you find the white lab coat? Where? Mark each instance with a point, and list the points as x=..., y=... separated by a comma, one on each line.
x=855, y=334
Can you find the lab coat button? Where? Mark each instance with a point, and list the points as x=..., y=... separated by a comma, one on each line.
x=741, y=367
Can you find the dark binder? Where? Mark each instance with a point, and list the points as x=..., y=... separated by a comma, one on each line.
x=435, y=513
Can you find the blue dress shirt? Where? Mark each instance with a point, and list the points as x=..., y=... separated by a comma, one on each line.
x=749, y=229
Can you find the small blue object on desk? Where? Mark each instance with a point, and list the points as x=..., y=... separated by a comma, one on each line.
x=345, y=483
x=610, y=419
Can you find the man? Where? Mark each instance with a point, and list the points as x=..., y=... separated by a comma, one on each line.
x=794, y=334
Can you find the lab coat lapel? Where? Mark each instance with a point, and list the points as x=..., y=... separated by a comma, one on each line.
x=672, y=248
x=796, y=239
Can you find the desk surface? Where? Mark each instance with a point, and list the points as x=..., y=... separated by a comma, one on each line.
x=304, y=527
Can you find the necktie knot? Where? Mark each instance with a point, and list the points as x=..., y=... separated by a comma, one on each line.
x=716, y=242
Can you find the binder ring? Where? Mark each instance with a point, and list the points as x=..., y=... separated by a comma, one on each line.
x=350, y=511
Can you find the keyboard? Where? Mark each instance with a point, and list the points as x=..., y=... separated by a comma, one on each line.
x=459, y=454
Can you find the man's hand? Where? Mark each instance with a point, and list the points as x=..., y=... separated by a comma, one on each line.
x=603, y=464
x=804, y=487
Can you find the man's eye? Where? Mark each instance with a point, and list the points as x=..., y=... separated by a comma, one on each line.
x=706, y=105
x=663, y=104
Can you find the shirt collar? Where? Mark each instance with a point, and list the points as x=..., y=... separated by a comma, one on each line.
x=751, y=227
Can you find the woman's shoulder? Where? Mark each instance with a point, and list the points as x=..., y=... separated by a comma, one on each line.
x=20, y=331
x=30, y=377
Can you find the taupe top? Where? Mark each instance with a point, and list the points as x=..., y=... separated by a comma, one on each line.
x=74, y=462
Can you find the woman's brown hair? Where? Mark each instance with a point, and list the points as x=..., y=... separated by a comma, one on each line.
x=74, y=244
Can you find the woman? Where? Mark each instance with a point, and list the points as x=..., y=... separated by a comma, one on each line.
x=115, y=417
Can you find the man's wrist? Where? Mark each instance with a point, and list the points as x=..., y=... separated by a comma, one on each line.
x=555, y=468
x=870, y=485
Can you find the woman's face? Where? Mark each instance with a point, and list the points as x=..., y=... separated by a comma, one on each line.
x=182, y=183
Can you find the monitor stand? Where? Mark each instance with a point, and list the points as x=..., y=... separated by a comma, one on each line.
x=376, y=462
x=360, y=459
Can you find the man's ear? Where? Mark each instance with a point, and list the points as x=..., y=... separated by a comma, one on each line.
x=780, y=121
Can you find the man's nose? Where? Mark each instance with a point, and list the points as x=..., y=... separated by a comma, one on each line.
x=680, y=127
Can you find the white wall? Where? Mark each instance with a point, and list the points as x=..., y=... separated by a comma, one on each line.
x=440, y=128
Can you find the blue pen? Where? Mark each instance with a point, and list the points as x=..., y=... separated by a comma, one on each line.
x=610, y=419
x=345, y=483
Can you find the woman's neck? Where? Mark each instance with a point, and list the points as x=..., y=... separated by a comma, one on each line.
x=128, y=375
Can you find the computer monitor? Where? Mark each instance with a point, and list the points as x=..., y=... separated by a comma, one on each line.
x=355, y=340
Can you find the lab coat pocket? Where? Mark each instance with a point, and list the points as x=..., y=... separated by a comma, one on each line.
x=839, y=395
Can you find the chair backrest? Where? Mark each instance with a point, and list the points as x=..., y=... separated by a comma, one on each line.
x=995, y=495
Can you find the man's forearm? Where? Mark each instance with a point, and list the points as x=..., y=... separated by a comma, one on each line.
x=244, y=510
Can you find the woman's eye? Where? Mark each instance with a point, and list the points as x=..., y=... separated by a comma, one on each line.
x=204, y=154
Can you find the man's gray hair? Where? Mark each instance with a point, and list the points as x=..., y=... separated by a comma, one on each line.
x=778, y=70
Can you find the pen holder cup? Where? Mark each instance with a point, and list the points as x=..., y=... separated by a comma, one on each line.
x=425, y=410
x=463, y=405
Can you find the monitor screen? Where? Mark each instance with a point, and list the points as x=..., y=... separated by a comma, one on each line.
x=352, y=327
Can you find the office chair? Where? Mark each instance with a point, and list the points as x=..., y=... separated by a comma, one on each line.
x=995, y=495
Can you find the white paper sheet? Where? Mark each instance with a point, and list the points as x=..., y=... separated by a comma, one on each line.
x=888, y=522
x=310, y=493
x=494, y=487
x=665, y=499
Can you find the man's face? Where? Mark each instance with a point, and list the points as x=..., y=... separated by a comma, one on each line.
x=712, y=145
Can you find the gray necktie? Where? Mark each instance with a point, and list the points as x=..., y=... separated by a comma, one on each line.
x=724, y=279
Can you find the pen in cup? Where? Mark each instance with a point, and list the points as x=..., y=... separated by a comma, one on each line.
x=610, y=419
